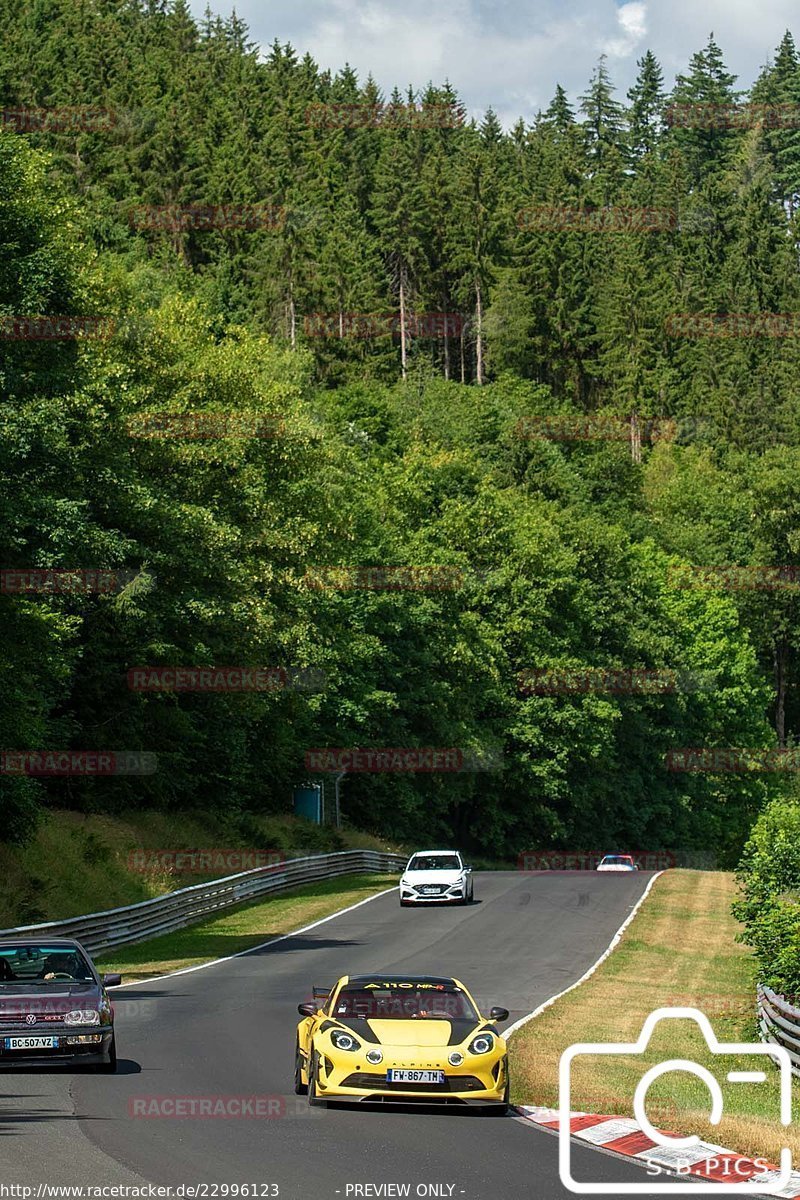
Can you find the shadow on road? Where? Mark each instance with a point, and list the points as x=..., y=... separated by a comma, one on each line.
x=9, y=1121
x=428, y=1110
x=125, y=1066
x=300, y=943
x=123, y=998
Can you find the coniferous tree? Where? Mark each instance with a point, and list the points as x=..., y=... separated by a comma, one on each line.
x=645, y=114
x=778, y=90
x=476, y=231
x=559, y=115
x=703, y=129
x=401, y=220
x=604, y=129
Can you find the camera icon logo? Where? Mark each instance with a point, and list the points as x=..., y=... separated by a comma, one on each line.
x=778, y=1055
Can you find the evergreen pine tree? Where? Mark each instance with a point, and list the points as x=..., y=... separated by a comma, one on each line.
x=401, y=220
x=645, y=114
x=699, y=107
x=778, y=90
x=604, y=128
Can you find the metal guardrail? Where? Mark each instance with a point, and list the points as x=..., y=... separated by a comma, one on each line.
x=779, y=1023
x=150, y=918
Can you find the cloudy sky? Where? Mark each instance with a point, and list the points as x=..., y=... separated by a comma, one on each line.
x=511, y=53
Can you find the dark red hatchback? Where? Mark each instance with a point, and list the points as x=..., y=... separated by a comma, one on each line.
x=54, y=1008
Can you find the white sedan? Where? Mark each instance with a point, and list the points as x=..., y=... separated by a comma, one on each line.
x=617, y=862
x=436, y=877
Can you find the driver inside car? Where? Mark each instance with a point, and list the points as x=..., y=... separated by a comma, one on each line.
x=59, y=964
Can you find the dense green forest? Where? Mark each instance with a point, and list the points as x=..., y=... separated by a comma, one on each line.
x=394, y=449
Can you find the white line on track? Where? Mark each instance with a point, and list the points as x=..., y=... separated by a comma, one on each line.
x=252, y=949
x=614, y=941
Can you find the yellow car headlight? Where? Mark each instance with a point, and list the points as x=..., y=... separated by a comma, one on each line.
x=343, y=1040
x=481, y=1044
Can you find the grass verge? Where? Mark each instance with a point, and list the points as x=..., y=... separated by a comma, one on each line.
x=678, y=951
x=80, y=862
x=242, y=927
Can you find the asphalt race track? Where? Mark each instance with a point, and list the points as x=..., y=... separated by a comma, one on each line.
x=228, y=1030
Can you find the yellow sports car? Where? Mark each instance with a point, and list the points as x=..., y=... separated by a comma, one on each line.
x=400, y=1038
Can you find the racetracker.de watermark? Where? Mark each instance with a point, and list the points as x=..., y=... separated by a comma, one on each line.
x=367, y=325
x=720, y=1007
x=226, y=679
x=732, y=116
x=209, y=1107
x=571, y=681
x=735, y=578
x=384, y=116
x=609, y=219
x=41, y=1009
x=37, y=581
x=80, y=118
x=197, y=426
x=732, y=758
x=588, y=427
x=196, y=862
x=433, y=578
x=202, y=217
x=730, y=325
x=78, y=762
x=588, y=860
x=402, y=759
x=50, y=328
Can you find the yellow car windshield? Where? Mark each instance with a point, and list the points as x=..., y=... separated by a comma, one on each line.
x=435, y=1003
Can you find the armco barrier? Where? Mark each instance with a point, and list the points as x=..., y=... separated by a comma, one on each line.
x=779, y=1022
x=121, y=926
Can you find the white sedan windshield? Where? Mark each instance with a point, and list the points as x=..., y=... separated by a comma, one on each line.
x=434, y=862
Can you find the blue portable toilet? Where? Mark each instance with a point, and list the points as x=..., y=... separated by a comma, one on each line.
x=308, y=802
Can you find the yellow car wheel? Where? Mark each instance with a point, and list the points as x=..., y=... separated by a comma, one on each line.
x=300, y=1088
x=314, y=1099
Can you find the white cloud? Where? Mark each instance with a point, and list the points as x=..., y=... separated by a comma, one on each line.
x=511, y=53
x=632, y=19
x=399, y=44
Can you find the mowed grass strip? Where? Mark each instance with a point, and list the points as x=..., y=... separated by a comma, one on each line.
x=242, y=927
x=679, y=951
